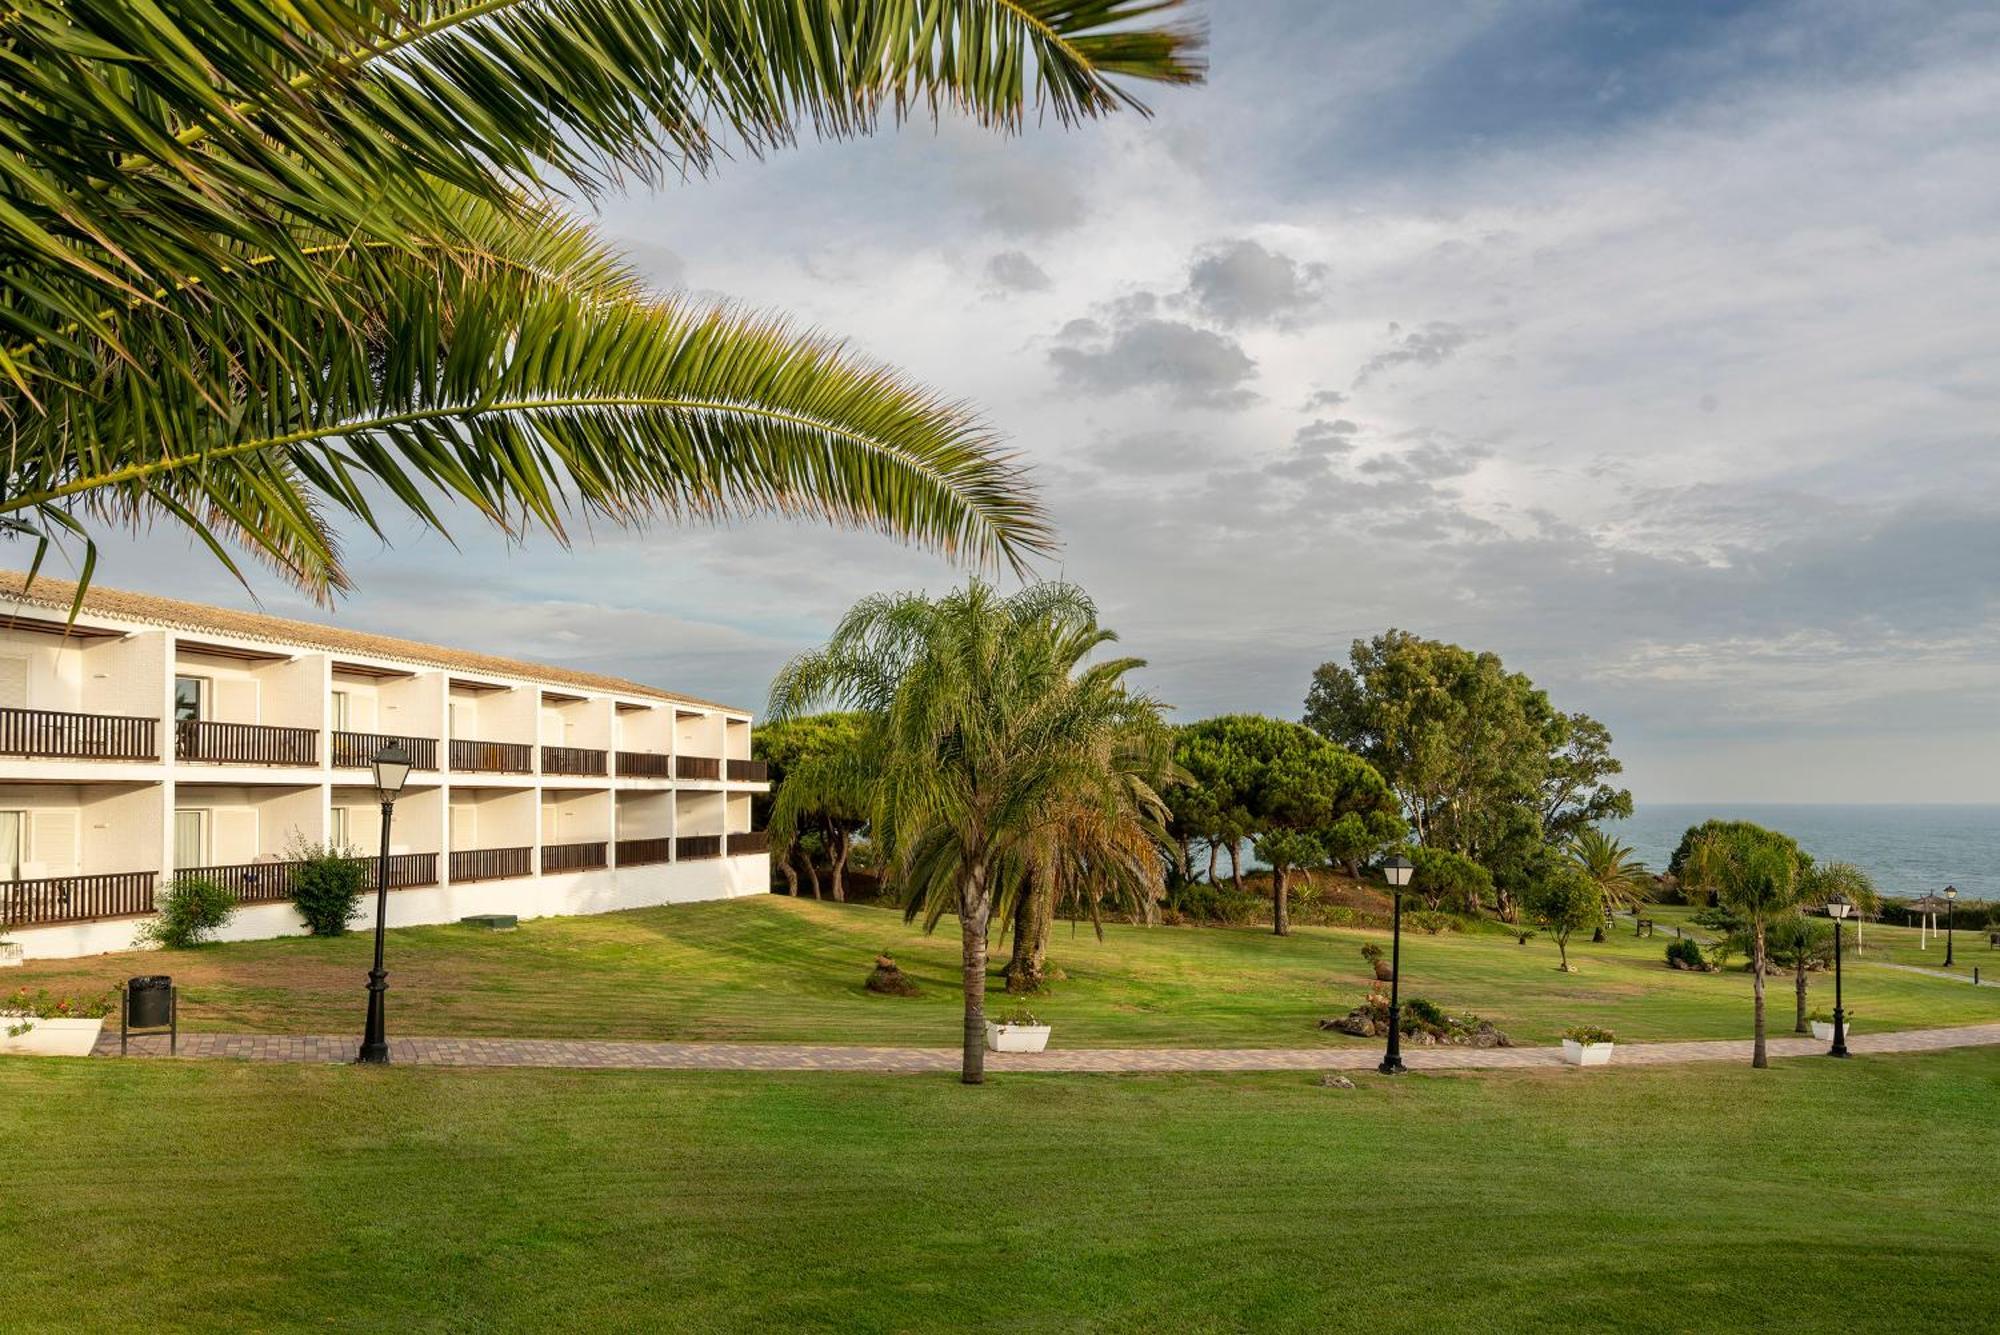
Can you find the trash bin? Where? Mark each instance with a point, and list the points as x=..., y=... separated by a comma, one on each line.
x=149, y=1002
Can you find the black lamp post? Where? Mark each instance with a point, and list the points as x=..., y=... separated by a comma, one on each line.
x=1837, y=908
x=1397, y=872
x=392, y=768
x=1950, y=899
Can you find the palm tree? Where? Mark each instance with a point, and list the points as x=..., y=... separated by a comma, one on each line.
x=265, y=265
x=1620, y=878
x=989, y=726
x=1824, y=878
x=1760, y=881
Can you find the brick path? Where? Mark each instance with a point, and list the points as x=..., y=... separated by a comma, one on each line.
x=804, y=1057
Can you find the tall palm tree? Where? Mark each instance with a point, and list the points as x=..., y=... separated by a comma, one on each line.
x=263, y=266
x=1620, y=878
x=1760, y=880
x=990, y=723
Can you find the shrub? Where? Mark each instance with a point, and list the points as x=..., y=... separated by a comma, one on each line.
x=1522, y=935
x=1422, y=1011
x=47, y=1005
x=1371, y=952
x=1434, y=922
x=327, y=887
x=1684, y=953
x=1445, y=878
x=191, y=909
x=1588, y=1033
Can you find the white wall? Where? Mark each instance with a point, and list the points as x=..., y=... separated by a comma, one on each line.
x=527, y=897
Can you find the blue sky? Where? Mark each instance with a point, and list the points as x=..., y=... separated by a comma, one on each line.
x=1649, y=345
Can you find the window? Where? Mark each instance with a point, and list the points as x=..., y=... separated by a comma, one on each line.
x=342, y=711
x=190, y=699
x=338, y=827
x=11, y=825
x=190, y=837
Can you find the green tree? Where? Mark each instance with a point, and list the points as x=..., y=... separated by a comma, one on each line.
x=271, y=267
x=1564, y=900
x=989, y=721
x=1761, y=873
x=1800, y=944
x=1621, y=879
x=1442, y=877
x=1824, y=878
x=1289, y=790
x=815, y=787
x=1480, y=762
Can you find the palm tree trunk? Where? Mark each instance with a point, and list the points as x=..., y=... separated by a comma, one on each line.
x=973, y=909
x=1759, y=1058
x=836, y=841
x=1800, y=1027
x=1026, y=970
x=1281, y=921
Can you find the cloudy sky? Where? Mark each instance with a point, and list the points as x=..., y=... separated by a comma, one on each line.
x=1651, y=346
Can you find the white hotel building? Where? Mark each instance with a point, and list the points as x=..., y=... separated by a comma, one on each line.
x=149, y=736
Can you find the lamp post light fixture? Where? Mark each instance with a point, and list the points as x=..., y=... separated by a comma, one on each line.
x=1950, y=901
x=1838, y=906
x=1397, y=872
x=392, y=770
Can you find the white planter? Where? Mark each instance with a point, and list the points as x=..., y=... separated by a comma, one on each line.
x=49, y=1038
x=1016, y=1037
x=1587, y=1054
x=12, y=954
x=1823, y=1029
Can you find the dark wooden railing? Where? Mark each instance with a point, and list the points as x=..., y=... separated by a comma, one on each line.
x=356, y=750
x=572, y=760
x=573, y=857
x=491, y=864
x=126, y=894
x=691, y=846
x=750, y=771
x=245, y=743
x=45, y=732
x=250, y=882
x=697, y=767
x=640, y=852
x=645, y=765
x=493, y=758
x=750, y=841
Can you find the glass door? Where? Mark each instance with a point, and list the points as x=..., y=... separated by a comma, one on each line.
x=190, y=838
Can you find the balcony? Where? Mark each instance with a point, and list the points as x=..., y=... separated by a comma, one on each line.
x=644, y=852
x=492, y=758
x=697, y=767
x=749, y=841
x=491, y=864
x=690, y=847
x=573, y=857
x=356, y=750
x=749, y=771
x=43, y=732
x=575, y=760
x=270, y=881
x=59, y=899
x=245, y=744
x=644, y=765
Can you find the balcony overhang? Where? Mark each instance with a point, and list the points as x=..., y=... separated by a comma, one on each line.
x=234, y=653
x=372, y=671
x=64, y=629
x=476, y=687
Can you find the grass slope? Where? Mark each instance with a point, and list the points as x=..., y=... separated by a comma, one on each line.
x=1815, y=1196
x=778, y=969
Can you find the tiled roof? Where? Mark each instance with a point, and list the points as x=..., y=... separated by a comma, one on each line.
x=172, y=613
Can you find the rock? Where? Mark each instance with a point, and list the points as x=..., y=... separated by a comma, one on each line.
x=1335, y=1080
x=1486, y=1036
x=1357, y=1022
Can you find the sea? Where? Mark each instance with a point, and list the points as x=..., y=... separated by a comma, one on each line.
x=1909, y=850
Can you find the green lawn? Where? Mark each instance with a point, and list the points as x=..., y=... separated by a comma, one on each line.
x=1815, y=1196
x=772, y=969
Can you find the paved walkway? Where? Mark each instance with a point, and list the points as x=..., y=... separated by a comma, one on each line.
x=1986, y=978
x=586, y=1054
